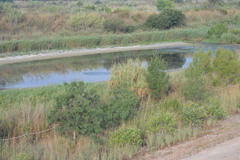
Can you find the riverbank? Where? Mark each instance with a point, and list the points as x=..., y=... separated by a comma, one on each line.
x=82, y=52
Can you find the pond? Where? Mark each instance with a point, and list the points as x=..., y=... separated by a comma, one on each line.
x=92, y=68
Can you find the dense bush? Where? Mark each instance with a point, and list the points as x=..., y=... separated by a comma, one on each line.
x=226, y=66
x=168, y=18
x=117, y=25
x=230, y=37
x=162, y=122
x=125, y=136
x=121, y=106
x=90, y=7
x=214, y=109
x=193, y=114
x=157, y=79
x=194, y=87
x=165, y=4
x=217, y=30
x=77, y=110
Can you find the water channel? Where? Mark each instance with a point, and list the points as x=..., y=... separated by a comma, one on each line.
x=93, y=68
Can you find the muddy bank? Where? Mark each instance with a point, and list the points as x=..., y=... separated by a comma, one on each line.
x=81, y=52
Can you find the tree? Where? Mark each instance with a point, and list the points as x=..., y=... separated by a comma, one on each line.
x=157, y=79
x=167, y=19
x=194, y=88
x=78, y=110
x=121, y=106
x=165, y=4
x=226, y=66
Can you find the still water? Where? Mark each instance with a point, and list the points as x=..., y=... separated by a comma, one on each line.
x=92, y=68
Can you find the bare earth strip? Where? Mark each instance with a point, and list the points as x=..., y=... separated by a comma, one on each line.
x=219, y=143
x=81, y=52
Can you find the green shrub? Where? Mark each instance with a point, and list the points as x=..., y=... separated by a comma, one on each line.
x=125, y=136
x=230, y=37
x=79, y=3
x=214, y=109
x=194, y=87
x=77, y=110
x=168, y=18
x=90, y=7
x=121, y=106
x=165, y=4
x=217, y=30
x=117, y=25
x=157, y=79
x=162, y=122
x=226, y=66
x=193, y=114
x=153, y=21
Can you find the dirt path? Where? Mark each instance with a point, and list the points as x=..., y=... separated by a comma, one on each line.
x=81, y=52
x=229, y=150
x=219, y=143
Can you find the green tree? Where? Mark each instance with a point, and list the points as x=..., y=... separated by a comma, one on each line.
x=226, y=65
x=121, y=106
x=217, y=30
x=164, y=4
x=77, y=110
x=194, y=88
x=168, y=18
x=157, y=79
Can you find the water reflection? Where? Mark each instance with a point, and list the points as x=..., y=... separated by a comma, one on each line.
x=92, y=68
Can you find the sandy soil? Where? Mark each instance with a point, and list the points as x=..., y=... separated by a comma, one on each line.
x=219, y=143
x=81, y=52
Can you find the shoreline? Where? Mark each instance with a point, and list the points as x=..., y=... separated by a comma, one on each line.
x=82, y=52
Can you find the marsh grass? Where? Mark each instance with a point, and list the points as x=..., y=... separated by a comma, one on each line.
x=101, y=40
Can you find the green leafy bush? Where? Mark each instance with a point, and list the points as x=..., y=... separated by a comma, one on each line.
x=217, y=30
x=77, y=110
x=157, y=79
x=193, y=114
x=153, y=21
x=162, y=122
x=117, y=25
x=79, y=3
x=194, y=87
x=90, y=7
x=125, y=136
x=165, y=4
x=168, y=18
x=226, y=66
x=230, y=37
x=121, y=106
x=214, y=109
